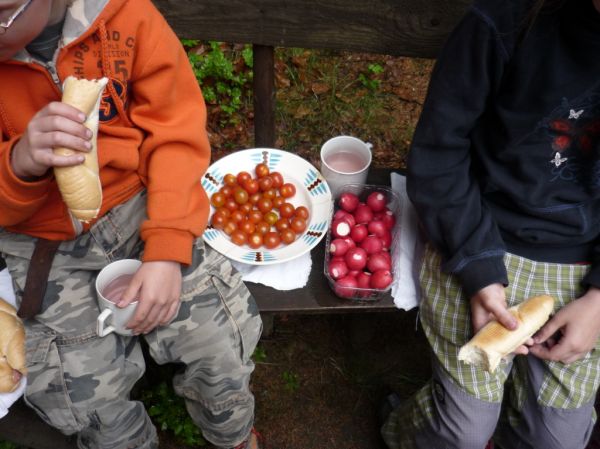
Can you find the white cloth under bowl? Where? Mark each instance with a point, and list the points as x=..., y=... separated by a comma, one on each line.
x=280, y=276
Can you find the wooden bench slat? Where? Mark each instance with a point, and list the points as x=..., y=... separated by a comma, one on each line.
x=394, y=27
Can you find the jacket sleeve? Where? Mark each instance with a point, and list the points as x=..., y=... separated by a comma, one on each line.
x=441, y=180
x=19, y=199
x=168, y=107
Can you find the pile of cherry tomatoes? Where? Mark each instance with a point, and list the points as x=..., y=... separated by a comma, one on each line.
x=256, y=211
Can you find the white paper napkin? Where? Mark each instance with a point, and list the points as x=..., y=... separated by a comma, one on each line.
x=7, y=293
x=405, y=288
x=281, y=276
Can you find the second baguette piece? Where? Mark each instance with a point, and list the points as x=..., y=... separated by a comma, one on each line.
x=493, y=341
x=80, y=185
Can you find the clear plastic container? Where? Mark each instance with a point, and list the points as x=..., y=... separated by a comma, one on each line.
x=394, y=205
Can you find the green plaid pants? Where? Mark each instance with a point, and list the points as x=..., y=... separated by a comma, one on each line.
x=472, y=398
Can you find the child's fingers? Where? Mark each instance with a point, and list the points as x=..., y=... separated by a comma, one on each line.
x=57, y=108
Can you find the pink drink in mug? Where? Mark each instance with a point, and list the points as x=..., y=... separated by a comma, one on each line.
x=114, y=289
x=345, y=162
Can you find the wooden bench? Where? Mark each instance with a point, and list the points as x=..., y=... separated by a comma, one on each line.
x=395, y=27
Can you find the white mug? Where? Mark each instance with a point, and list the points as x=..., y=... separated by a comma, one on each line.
x=345, y=160
x=114, y=318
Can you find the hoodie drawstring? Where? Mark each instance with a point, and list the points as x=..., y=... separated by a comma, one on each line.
x=107, y=72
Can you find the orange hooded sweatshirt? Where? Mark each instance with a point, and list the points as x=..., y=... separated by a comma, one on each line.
x=152, y=126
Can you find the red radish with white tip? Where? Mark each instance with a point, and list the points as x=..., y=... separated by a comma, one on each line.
x=372, y=244
x=356, y=258
x=337, y=269
x=363, y=279
x=376, y=201
x=389, y=219
x=339, y=247
x=363, y=214
x=343, y=215
x=378, y=261
x=377, y=227
x=351, y=243
x=348, y=201
x=340, y=228
x=381, y=279
x=358, y=233
x=386, y=240
x=345, y=287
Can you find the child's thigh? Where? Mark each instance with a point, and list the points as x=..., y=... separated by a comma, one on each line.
x=217, y=320
x=446, y=319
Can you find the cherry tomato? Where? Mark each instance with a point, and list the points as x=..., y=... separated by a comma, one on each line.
x=255, y=240
x=229, y=180
x=218, y=221
x=236, y=216
x=277, y=179
x=286, y=210
x=217, y=199
x=264, y=205
x=265, y=183
x=246, y=226
x=231, y=204
x=240, y=195
x=238, y=237
x=226, y=190
x=251, y=186
x=255, y=216
x=271, y=194
x=229, y=227
x=287, y=190
x=301, y=212
x=242, y=177
x=262, y=227
x=271, y=240
x=282, y=224
x=278, y=201
x=271, y=217
x=223, y=211
x=298, y=225
x=254, y=198
x=261, y=170
x=246, y=208
x=287, y=236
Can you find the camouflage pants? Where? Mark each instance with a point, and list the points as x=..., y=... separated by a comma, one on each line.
x=80, y=383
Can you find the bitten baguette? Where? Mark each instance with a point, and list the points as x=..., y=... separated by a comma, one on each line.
x=494, y=341
x=12, y=347
x=80, y=185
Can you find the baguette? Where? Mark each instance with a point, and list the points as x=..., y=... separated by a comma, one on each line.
x=12, y=347
x=493, y=341
x=80, y=185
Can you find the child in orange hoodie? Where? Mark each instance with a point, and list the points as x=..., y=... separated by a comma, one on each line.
x=152, y=150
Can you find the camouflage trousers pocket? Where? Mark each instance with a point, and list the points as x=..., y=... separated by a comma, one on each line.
x=47, y=392
x=241, y=309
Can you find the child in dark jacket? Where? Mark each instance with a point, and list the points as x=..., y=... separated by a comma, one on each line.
x=504, y=172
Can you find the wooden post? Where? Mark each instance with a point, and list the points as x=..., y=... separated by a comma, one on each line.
x=264, y=96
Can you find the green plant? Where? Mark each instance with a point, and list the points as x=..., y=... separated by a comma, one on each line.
x=368, y=80
x=168, y=412
x=259, y=355
x=9, y=445
x=292, y=383
x=224, y=76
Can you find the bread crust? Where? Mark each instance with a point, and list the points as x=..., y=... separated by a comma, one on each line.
x=12, y=347
x=494, y=342
x=80, y=185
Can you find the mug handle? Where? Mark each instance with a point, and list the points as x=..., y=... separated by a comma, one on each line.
x=101, y=329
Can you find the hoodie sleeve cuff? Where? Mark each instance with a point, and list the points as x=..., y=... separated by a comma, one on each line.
x=481, y=273
x=168, y=245
x=19, y=191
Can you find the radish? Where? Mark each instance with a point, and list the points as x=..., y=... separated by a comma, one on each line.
x=389, y=219
x=340, y=228
x=337, y=269
x=372, y=244
x=377, y=227
x=345, y=287
x=351, y=243
x=378, y=261
x=348, y=201
x=376, y=201
x=386, y=240
x=343, y=215
x=381, y=279
x=356, y=258
x=358, y=233
x=363, y=213
x=363, y=279
x=338, y=247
